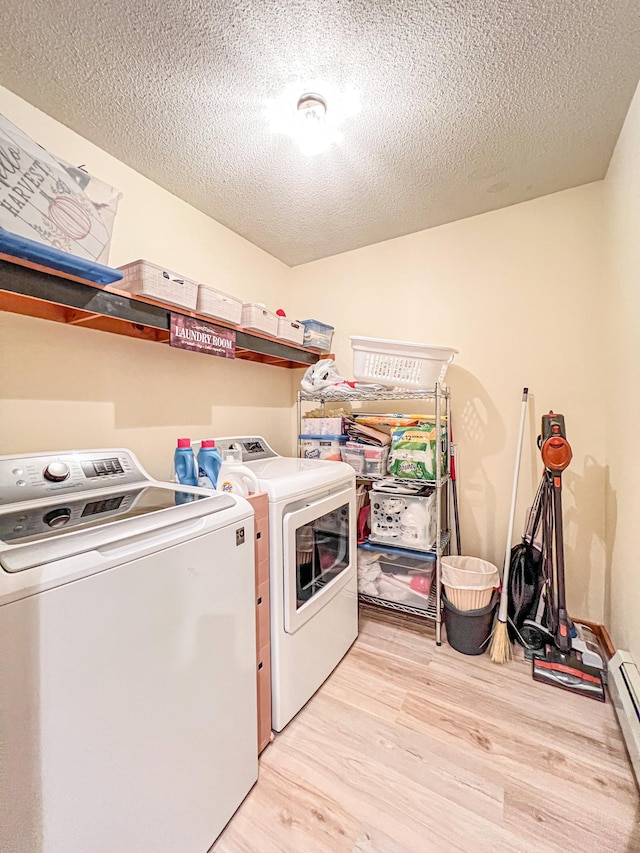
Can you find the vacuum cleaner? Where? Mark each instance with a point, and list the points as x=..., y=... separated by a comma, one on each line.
x=560, y=662
x=529, y=610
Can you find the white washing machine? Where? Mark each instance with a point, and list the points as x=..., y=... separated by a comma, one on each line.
x=127, y=657
x=313, y=569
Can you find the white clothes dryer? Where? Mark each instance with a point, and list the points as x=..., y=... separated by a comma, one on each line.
x=127, y=672
x=313, y=569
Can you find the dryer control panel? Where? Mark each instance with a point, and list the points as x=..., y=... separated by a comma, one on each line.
x=38, y=476
x=253, y=447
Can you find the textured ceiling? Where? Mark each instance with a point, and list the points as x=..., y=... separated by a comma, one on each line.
x=467, y=105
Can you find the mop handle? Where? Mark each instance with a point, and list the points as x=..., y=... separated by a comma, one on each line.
x=504, y=599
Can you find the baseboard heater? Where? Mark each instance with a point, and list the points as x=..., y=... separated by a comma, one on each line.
x=624, y=689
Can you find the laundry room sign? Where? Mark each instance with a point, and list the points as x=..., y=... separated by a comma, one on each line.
x=191, y=333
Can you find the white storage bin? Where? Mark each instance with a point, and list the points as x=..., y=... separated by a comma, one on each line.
x=322, y=426
x=255, y=316
x=317, y=335
x=290, y=330
x=147, y=279
x=406, y=521
x=398, y=364
x=214, y=303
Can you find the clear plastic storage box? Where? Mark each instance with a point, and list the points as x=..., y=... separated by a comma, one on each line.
x=365, y=459
x=255, y=316
x=317, y=335
x=214, y=303
x=398, y=364
x=395, y=574
x=159, y=283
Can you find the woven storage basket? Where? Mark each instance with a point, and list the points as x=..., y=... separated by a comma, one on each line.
x=214, y=303
x=159, y=283
x=290, y=330
x=256, y=317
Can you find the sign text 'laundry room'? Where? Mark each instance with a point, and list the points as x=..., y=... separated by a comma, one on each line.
x=190, y=333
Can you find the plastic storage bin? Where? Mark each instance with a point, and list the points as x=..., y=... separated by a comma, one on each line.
x=214, y=303
x=255, y=316
x=365, y=459
x=394, y=574
x=317, y=335
x=322, y=426
x=159, y=283
x=398, y=364
x=469, y=581
x=290, y=330
x=407, y=521
x=322, y=447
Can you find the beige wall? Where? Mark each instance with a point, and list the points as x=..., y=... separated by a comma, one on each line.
x=64, y=387
x=519, y=292
x=622, y=406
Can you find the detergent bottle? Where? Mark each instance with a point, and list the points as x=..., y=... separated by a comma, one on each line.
x=185, y=463
x=235, y=477
x=209, y=462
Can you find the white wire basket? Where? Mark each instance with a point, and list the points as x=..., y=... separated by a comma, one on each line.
x=399, y=364
x=159, y=283
x=214, y=303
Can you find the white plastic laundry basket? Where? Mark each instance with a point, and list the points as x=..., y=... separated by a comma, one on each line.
x=399, y=364
x=469, y=581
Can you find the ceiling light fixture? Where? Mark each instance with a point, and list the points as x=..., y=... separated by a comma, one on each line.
x=310, y=119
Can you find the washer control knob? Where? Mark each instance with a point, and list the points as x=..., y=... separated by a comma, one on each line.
x=56, y=472
x=57, y=517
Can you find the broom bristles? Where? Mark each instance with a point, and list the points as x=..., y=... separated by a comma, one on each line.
x=500, y=644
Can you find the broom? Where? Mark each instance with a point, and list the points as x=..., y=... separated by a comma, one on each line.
x=500, y=644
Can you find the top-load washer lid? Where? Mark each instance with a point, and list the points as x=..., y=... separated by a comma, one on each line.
x=34, y=533
x=41, y=522
x=57, y=505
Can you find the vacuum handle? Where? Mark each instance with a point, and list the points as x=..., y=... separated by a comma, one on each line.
x=563, y=631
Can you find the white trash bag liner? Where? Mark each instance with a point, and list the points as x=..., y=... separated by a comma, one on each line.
x=469, y=573
x=468, y=599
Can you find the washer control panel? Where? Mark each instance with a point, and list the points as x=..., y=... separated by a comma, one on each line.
x=38, y=476
x=28, y=523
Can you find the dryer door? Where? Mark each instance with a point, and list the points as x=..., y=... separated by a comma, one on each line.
x=319, y=555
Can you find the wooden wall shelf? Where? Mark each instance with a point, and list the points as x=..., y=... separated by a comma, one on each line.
x=35, y=291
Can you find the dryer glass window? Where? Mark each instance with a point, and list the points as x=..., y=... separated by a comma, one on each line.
x=322, y=552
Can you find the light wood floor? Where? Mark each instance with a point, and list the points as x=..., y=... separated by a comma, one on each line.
x=412, y=748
